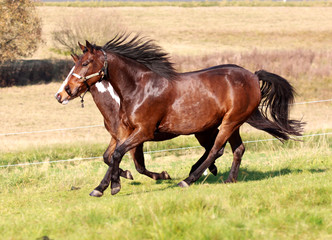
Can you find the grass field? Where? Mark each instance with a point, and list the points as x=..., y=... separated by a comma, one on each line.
x=284, y=190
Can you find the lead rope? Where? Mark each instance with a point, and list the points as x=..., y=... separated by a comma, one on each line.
x=82, y=98
x=87, y=89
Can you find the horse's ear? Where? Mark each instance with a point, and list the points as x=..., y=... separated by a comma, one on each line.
x=75, y=57
x=89, y=46
x=82, y=47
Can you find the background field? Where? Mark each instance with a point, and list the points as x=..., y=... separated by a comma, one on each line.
x=284, y=190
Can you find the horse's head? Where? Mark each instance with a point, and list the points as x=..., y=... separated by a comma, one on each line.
x=89, y=68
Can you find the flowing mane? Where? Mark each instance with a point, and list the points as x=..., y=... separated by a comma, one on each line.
x=142, y=50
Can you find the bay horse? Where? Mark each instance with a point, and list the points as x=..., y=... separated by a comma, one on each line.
x=154, y=100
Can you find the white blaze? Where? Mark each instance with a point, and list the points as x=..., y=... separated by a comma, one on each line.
x=65, y=81
x=101, y=88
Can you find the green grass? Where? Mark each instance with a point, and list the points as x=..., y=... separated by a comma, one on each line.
x=284, y=192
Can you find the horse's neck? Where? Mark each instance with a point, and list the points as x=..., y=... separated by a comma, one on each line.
x=125, y=75
x=107, y=103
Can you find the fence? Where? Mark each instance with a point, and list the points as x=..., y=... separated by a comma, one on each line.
x=148, y=152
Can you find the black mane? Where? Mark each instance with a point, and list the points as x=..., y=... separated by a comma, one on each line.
x=144, y=51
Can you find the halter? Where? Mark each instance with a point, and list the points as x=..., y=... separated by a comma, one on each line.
x=102, y=73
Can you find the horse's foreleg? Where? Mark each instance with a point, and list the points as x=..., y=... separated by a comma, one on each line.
x=138, y=157
x=238, y=151
x=137, y=137
x=99, y=190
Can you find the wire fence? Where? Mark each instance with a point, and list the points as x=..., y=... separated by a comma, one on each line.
x=94, y=126
x=149, y=152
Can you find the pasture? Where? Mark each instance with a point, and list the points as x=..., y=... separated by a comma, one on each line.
x=284, y=190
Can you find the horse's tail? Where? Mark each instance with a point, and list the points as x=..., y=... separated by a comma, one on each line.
x=277, y=95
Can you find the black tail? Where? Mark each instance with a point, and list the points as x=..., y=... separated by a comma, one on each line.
x=277, y=95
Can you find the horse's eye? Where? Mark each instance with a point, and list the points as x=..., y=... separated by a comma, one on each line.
x=86, y=63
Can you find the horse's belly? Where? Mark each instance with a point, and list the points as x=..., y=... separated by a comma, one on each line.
x=192, y=118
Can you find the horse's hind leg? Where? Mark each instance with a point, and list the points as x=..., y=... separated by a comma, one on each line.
x=138, y=157
x=238, y=151
x=227, y=127
x=206, y=139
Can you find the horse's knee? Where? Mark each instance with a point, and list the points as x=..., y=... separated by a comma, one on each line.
x=117, y=155
x=106, y=158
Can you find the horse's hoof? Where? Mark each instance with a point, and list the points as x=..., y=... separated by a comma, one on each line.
x=115, y=188
x=165, y=175
x=96, y=193
x=128, y=175
x=183, y=184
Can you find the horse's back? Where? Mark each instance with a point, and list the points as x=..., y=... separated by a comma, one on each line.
x=227, y=82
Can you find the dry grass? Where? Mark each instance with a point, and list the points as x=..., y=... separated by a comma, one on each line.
x=190, y=4
x=309, y=71
x=34, y=108
x=197, y=31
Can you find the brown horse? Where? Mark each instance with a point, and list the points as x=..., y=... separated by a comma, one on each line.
x=156, y=100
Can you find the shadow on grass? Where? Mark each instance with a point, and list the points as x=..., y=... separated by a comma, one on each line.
x=149, y=191
x=246, y=175
x=135, y=183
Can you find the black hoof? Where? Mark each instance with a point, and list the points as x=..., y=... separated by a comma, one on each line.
x=128, y=175
x=183, y=184
x=115, y=188
x=165, y=175
x=96, y=193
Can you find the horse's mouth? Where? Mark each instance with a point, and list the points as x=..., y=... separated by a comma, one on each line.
x=60, y=100
x=67, y=95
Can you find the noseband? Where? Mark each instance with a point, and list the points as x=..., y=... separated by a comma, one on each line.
x=102, y=73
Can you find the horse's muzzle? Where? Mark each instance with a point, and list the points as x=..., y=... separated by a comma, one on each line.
x=59, y=99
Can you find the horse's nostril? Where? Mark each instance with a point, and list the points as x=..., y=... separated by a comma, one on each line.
x=58, y=97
